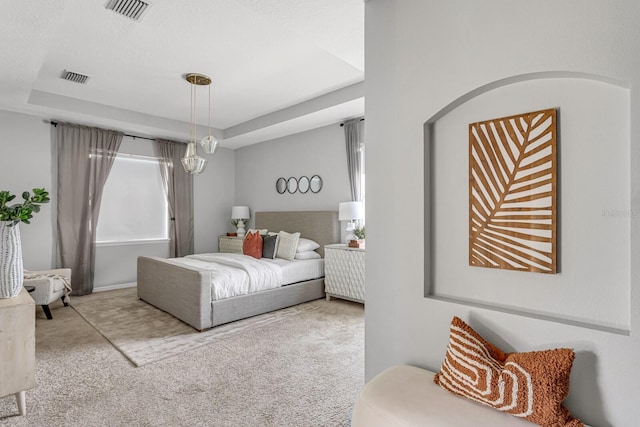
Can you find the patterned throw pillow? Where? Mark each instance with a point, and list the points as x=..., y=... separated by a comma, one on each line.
x=287, y=245
x=252, y=245
x=528, y=385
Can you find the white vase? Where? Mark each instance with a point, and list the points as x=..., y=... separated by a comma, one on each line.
x=11, y=270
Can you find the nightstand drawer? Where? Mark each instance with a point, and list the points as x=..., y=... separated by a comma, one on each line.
x=230, y=244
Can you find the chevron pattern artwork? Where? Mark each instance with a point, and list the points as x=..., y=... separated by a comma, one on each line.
x=528, y=385
x=512, y=192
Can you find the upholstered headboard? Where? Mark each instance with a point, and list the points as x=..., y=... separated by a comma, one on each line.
x=321, y=226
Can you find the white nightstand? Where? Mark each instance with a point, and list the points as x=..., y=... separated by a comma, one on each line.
x=230, y=244
x=344, y=272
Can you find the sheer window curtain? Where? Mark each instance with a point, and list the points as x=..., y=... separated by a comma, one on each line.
x=85, y=158
x=178, y=186
x=354, y=139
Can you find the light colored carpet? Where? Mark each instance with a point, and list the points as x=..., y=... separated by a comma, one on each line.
x=145, y=334
x=304, y=370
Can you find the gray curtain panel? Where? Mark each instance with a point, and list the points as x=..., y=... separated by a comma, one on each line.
x=178, y=186
x=85, y=158
x=353, y=135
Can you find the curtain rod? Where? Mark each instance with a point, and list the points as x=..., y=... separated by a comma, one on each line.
x=361, y=119
x=55, y=124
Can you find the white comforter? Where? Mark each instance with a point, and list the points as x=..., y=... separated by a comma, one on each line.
x=236, y=274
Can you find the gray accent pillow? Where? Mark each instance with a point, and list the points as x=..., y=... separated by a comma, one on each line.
x=269, y=245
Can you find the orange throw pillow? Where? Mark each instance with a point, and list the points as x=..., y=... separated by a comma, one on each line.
x=528, y=385
x=252, y=245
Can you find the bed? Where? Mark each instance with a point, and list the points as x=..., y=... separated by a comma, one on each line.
x=185, y=291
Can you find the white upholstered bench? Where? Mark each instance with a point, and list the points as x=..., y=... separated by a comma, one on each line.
x=406, y=396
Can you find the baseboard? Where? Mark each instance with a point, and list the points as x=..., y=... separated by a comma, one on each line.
x=114, y=287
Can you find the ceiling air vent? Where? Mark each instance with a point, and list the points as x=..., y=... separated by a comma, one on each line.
x=132, y=9
x=75, y=77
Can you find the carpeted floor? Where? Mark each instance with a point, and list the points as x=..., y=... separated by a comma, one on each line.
x=304, y=370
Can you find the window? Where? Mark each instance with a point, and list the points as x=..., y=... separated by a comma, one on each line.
x=134, y=204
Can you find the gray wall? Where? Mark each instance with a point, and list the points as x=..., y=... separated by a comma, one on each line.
x=420, y=57
x=25, y=163
x=316, y=152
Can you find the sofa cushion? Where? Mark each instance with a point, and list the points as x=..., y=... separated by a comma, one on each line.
x=407, y=396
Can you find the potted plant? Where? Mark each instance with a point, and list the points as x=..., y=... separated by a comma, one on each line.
x=11, y=268
x=359, y=232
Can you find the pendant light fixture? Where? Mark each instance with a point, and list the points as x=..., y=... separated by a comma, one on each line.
x=191, y=162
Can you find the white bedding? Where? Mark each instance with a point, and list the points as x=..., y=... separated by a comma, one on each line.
x=236, y=274
x=299, y=270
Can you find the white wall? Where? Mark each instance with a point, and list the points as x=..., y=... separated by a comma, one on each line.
x=214, y=192
x=319, y=151
x=25, y=163
x=420, y=57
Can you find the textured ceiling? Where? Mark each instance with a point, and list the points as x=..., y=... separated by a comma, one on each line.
x=278, y=66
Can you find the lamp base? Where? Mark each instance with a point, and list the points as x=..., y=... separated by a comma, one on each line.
x=240, y=230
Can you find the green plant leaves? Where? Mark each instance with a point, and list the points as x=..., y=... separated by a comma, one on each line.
x=22, y=212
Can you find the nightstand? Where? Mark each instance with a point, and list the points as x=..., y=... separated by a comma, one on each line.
x=344, y=272
x=230, y=244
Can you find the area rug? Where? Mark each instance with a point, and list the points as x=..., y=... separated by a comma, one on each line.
x=145, y=334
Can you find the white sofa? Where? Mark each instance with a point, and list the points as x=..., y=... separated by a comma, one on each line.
x=403, y=396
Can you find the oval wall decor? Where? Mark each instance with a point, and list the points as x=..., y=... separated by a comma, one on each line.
x=316, y=184
x=281, y=185
x=303, y=184
x=292, y=185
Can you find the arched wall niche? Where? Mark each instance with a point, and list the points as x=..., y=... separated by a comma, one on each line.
x=594, y=199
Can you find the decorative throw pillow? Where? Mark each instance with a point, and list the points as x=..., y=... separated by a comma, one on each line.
x=252, y=245
x=528, y=385
x=262, y=231
x=287, y=245
x=307, y=255
x=307, y=245
x=269, y=245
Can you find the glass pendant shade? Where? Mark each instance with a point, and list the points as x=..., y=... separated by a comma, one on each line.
x=209, y=144
x=191, y=162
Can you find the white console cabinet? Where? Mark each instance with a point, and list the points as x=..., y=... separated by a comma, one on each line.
x=17, y=347
x=344, y=272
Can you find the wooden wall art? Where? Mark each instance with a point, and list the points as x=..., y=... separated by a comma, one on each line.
x=512, y=192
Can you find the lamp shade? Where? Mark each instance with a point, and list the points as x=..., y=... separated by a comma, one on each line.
x=348, y=211
x=240, y=212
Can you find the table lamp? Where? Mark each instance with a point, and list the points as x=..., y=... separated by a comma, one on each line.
x=240, y=214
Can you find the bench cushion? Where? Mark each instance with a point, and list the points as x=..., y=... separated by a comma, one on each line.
x=407, y=396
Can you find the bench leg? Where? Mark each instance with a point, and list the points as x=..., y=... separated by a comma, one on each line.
x=21, y=401
x=66, y=304
x=47, y=312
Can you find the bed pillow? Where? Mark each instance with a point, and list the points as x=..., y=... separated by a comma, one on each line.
x=252, y=245
x=307, y=255
x=287, y=245
x=307, y=245
x=528, y=385
x=262, y=231
x=269, y=245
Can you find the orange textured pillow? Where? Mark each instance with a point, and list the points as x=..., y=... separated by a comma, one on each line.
x=252, y=245
x=528, y=385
